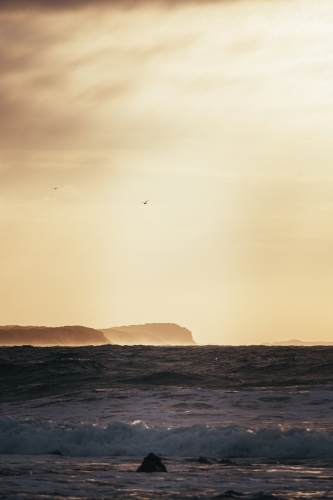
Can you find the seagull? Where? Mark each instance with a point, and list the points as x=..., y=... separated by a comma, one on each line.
x=145, y=202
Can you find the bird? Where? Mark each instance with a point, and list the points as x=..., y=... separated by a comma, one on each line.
x=145, y=202
x=55, y=188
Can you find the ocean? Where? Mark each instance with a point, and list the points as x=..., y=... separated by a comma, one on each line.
x=228, y=422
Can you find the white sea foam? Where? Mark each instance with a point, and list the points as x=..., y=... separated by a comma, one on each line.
x=137, y=439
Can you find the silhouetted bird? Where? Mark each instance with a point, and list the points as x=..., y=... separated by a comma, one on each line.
x=145, y=202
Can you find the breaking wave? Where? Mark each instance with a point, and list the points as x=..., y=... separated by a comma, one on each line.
x=33, y=437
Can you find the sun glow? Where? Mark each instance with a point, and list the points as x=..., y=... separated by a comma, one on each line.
x=221, y=115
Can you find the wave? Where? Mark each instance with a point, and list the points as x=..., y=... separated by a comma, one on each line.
x=118, y=438
x=166, y=378
x=32, y=372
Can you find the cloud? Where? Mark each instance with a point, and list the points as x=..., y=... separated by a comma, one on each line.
x=30, y=84
x=78, y=4
x=69, y=82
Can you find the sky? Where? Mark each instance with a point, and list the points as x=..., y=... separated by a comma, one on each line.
x=220, y=113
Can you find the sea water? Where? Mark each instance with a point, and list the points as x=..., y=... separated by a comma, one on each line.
x=228, y=422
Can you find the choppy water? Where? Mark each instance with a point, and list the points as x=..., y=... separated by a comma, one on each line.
x=268, y=410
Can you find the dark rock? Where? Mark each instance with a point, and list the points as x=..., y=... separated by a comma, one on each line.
x=205, y=460
x=152, y=463
x=230, y=494
x=56, y=452
x=226, y=461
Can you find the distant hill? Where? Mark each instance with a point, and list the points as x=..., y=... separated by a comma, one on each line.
x=295, y=342
x=47, y=336
x=150, y=334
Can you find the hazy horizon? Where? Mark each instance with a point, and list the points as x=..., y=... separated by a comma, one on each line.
x=144, y=338
x=217, y=112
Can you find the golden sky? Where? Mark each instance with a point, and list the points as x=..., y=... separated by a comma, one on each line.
x=220, y=113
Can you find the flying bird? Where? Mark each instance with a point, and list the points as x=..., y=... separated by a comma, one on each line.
x=145, y=202
x=55, y=188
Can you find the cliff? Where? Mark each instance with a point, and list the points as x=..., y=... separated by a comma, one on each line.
x=295, y=342
x=46, y=336
x=149, y=334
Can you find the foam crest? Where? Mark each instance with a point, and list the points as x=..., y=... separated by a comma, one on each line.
x=137, y=439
